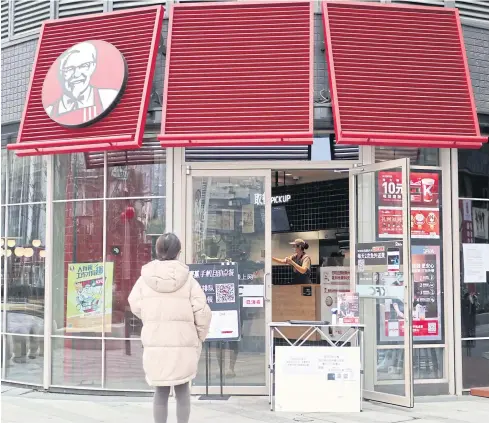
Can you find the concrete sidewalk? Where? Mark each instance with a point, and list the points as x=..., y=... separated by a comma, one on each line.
x=24, y=406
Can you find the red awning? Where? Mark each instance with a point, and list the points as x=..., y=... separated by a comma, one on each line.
x=239, y=73
x=399, y=76
x=121, y=45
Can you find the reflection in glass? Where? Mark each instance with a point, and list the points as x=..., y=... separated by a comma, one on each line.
x=427, y=363
x=474, y=231
x=25, y=266
x=137, y=180
x=27, y=178
x=24, y=356
x=475, y=363
x=77, y=362
x=3, y=193
x=124, y=365
x=133, y=226
x=77, y=260
x=228, y=224
x=75, y=178
x=473, y=173
x=418, y=156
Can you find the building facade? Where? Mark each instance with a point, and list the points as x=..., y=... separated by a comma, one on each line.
x=66, y=215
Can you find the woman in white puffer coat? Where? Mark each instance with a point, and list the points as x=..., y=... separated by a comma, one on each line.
x=176, y=320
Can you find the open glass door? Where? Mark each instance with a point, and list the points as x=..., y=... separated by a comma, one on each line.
x=228, y=219
x=380, y=247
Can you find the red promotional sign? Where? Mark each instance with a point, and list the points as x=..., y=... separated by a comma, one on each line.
x=84, y=84
x=91, y=83
x=423, y=187
x=425, y=223
x=425, y=328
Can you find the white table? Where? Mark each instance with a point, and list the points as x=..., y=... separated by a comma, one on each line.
x=353, y=335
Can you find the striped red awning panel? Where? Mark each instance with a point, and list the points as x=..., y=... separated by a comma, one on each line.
x=239, y=74
x=136, y=34
x=399, y=76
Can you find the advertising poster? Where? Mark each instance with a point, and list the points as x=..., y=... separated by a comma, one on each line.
x=425, y=205
x=427, y=326
x=423, y=187
x=220, y=283
x=348, y=308
x=481, y=223
x=334, y=281
x=84, y=301
x=425, y=223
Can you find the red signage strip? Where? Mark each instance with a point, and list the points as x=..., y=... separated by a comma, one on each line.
x=399, y=76
x=90, y=83
x=239, y=74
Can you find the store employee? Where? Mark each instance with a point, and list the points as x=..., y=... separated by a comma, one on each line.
x=300, y=262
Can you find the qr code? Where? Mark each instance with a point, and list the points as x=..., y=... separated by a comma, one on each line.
x=432, y=327
x=225, y=293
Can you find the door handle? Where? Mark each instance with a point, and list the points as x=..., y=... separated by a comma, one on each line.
x=265, y=288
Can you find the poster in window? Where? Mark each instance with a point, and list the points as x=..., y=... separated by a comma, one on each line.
x=427, y=318
x=85, y=297
x=425, y=223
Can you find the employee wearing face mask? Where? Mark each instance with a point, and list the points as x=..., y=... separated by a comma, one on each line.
x=300, y=262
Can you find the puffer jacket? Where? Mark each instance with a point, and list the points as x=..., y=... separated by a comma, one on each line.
x=176, y=320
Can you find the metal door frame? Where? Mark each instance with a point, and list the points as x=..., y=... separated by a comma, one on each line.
x=404, y=165
x=187, y=174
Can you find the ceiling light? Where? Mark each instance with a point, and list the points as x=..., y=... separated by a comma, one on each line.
x=11, y=243
x=36, y=243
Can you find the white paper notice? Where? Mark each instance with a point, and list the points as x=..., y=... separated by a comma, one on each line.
x=476, y=262
x=224, y=324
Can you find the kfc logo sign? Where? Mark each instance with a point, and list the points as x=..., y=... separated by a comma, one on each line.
x=84, y=84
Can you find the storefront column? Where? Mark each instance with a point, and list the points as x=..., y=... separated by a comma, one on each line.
x=448, y=272
x=456, y=337
x=48, y=277
x=177, y=182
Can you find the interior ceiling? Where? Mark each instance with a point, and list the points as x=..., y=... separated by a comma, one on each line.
x=294, y=177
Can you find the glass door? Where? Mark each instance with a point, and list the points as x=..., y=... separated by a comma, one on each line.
x=380, y=248
x=228, y=220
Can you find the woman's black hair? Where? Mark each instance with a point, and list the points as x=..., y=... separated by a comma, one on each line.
x=168, y=247
x=303, y=245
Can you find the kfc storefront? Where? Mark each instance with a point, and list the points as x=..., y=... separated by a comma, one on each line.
x=139, y=122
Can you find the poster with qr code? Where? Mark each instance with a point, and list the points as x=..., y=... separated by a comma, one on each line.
x=219, y=281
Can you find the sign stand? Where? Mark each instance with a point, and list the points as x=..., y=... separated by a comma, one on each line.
x=220, y=396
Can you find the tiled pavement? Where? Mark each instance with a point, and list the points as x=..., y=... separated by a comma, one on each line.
x=22, y=406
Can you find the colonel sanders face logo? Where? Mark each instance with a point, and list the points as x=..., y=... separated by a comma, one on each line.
x=84, y=84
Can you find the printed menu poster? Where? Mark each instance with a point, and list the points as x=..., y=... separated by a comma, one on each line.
x=427, y=324
x=84, y=301
x=220, y=283
x=425, y=205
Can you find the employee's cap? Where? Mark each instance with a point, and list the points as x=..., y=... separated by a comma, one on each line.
x=298, y=241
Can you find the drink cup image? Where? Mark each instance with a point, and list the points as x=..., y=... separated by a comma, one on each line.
x=427, y=185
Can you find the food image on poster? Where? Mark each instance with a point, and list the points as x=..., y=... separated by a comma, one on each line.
x=85, y=294
x=423, y=187
x=426, y=268
x=348, y=308
x=425, y=223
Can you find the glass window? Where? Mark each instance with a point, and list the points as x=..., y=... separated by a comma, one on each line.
x=124, y=365
x=473, y=173
x=77, y=362
x=136, y=180
x=24, y=355
x=133, y=226
x=474, y=235
x=23, y=260
x=228, y=224
x=418, y=156
x=75, y=177
x=475, y=363
x=78, y=269
x=27, y=179
x=3, y=194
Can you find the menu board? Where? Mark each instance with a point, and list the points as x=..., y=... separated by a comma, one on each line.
x=219, y=282
x=425, y=205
